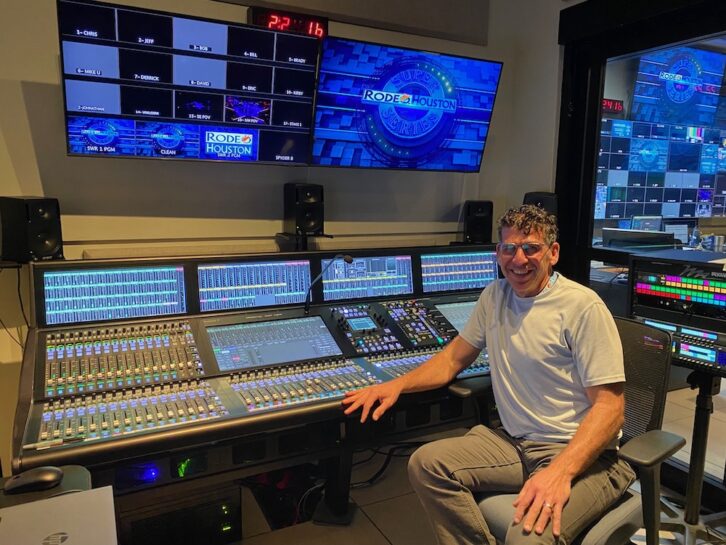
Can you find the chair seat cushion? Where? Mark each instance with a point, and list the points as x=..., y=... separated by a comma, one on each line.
x=618, y=524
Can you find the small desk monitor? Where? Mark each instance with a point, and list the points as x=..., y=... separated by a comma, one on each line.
x=625, y=223
x=647, y=223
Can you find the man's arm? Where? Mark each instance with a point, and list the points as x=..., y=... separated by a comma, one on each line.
x=434, y=373
x=545, y=494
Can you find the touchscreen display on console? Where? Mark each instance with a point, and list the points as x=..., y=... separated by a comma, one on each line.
x=259, y=344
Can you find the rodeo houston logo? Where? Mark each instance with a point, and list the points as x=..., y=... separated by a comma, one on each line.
x=682, y=79
x=409, y=112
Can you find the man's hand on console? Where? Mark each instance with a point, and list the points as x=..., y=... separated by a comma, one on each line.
x=385, y=395
x=541, y=499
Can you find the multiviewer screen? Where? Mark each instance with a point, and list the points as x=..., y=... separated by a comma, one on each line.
x=152, y=84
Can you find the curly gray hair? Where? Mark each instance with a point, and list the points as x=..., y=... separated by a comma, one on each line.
x=528, y=218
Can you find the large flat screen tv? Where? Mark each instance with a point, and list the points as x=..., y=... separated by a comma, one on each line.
x=680, y=85
x=142, y=83
x=379, y=106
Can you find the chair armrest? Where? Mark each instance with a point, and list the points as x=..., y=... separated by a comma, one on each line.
x=470, y=387
x=651, y=448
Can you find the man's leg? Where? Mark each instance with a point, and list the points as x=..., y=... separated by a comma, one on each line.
x=592, y=493
x=445, y=473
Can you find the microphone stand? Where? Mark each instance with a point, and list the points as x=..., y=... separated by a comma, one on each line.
x=348, y=259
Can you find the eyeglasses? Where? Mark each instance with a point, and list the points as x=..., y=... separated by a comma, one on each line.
x=529, y=248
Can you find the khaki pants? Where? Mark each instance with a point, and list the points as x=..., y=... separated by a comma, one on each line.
x=447, y=474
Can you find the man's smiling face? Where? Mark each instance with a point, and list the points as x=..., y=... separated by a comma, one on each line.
x=527, y=274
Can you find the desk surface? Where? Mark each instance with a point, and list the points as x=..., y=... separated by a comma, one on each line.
x=74, y=478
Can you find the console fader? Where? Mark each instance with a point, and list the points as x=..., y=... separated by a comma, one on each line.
x=400, y=364
x=115, y=414
x=283, y=387
x=100, y=359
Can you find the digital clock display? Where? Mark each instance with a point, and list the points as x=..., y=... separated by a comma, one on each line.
x=612, y=106
x=287, y=21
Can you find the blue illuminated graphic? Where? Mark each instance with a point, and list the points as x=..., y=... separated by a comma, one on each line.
x=385, y=107
x=96, y=295
x=245, y=110
x=678, y=85
x=648, y=155
x=229, y=143
x=155, y=139
x=148, y=473
x=104, y=136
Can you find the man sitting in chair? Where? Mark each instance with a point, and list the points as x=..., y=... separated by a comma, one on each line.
x=557, y=375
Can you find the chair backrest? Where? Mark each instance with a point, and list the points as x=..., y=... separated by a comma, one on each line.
x=647, y=354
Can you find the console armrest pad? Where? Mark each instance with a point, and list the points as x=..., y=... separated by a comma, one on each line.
x=468, y=387
x=651, y=448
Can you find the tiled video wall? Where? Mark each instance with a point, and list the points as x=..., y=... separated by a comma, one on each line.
x=656, y=169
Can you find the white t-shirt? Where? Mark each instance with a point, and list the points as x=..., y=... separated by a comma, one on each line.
x=543, y=352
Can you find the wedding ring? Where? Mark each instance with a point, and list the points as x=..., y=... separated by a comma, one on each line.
x=548, y=505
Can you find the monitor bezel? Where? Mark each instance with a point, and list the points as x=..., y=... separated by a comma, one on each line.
x=367, y=42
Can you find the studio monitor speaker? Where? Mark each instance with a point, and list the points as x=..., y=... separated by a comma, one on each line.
x=31, y=229
x=304, y=213
x=543, y=199
x=478, y=222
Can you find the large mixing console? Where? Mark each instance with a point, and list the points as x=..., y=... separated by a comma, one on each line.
x=131, y=362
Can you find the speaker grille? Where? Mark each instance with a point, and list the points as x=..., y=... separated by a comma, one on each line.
x=304, y=212
x=478, y=222
x=31, y=229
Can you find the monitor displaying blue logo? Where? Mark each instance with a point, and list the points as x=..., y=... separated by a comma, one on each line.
x=678, y=85
x=387, y=107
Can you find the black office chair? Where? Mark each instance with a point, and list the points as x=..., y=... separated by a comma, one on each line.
x=647, y=353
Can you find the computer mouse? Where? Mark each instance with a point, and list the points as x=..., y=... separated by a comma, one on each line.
x=38, y=478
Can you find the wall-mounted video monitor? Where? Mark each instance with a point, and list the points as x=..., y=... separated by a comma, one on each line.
x=142, y=83
x=679, y=85
x=380, y=106
x=367, y=277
